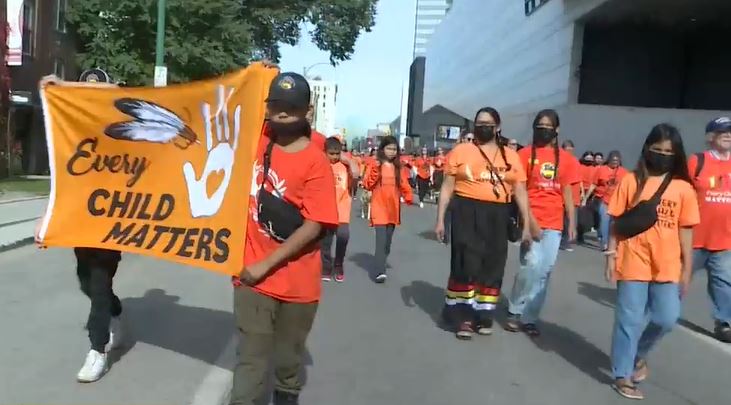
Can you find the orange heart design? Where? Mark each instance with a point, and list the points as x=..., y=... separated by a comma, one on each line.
x=214, y=181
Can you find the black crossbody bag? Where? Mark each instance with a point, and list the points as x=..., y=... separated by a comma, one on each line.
x=642, y=216
x=515, y=224
x=278, y=217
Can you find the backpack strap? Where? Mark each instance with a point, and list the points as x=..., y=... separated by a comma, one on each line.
x=699, y=166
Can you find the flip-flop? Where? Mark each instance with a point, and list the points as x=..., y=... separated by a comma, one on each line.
x=641, y=372
x=627, y=390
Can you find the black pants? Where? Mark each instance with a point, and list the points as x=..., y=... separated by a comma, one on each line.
x=423, y=187
x=384, y=237
x=342, y=235
x=96, y=269
x=438, y=179
x=479, y=254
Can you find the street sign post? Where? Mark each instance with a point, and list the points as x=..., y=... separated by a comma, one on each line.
x=161, y=76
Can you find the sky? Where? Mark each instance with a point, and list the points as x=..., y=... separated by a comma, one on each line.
x=370, y=83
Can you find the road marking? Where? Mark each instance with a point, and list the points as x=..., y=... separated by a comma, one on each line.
x=216, y=386
x=724, y=347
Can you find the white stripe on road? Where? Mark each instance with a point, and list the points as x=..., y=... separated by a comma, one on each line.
x=215, y=388
x=724, y=347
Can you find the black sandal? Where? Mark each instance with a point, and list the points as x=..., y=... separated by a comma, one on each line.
x=531, y=330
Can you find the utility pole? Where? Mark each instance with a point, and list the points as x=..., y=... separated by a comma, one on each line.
x=161, y=71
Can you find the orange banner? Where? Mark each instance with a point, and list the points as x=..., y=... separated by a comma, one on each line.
x=163, y=172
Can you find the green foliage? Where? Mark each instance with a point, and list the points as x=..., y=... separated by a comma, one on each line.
x=204, y=38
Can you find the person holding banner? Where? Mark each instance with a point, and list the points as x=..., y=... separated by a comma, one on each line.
x=292, y=204
x=95, y=269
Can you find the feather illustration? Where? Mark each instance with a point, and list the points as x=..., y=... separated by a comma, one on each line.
x=152, y=123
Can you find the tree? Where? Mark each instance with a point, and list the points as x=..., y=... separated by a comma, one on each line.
x=204, y=38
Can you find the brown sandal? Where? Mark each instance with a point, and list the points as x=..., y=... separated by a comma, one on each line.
x=627, y=389
x=641, y=371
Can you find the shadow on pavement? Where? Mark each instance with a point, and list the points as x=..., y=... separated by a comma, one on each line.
x=159, y=320
x=606, y=296
x=428, y=235
x=576, y=350
x=429, y=298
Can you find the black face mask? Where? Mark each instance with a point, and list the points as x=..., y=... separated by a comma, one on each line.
x=658, y=163
x=543, y=136
x=290, y=129
x=484, y=133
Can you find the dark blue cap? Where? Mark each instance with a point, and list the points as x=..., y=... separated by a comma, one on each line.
x=721, y=124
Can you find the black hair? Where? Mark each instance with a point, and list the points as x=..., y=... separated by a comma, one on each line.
x=599, y=154
x=498, y=135
x=386, y=141
x=567, y=143
x=333, y=144
x=556, y=122
x=660, y=133
x=613, y=154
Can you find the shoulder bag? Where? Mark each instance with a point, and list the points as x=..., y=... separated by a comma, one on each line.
x=278, y=217
x=642, y=216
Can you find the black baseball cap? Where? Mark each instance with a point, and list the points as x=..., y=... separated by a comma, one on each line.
x=290, y=88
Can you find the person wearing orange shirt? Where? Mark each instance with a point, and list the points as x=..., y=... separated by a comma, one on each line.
x=586, y=216
x=317, y=138
x=652, y=268
x=365, y=197
x=440, y=160
x=334, y=268
x=388, y=184
x=566, y=244
x=277, y=293
x=424, y=169
x=481, y=179
x=711, y=171
x=606, y=179
x=551, y=172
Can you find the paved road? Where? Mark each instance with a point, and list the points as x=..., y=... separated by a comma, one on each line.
x=371, y=344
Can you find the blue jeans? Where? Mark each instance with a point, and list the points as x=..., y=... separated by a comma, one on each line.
x=645, y=312
x=718, y=265
x=604, y=222
x=531, y=282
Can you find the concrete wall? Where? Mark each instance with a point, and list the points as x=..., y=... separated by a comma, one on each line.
x=488, y=52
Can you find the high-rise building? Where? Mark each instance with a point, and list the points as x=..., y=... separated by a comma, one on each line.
x=324, y=98
x=429, y=13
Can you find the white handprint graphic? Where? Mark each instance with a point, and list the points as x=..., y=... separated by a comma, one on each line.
x=220, y=157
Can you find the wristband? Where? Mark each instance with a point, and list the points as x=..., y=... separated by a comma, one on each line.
x=610, y=253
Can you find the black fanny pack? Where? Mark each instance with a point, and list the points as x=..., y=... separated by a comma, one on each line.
x=642, y=216
x=278, y=217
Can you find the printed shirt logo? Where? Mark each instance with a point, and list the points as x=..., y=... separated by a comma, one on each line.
x=274, y=185
x=548, y=171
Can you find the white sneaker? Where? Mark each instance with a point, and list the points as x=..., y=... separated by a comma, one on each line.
x=94, y=367
x=421, y=205
x=115, y=334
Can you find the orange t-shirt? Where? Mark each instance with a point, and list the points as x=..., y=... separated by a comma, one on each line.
x=713, y=186
x=386, y=194
x=318, y=139
x=606, y=180
x=544, y=189
x=654, y=255
x=474, y=180
x=406, y=161
x=305, y=180
x=423, y=167
x=439, y=163
x=587, y=175
x=341, y=173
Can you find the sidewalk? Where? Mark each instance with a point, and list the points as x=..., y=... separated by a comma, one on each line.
x=18, y=215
